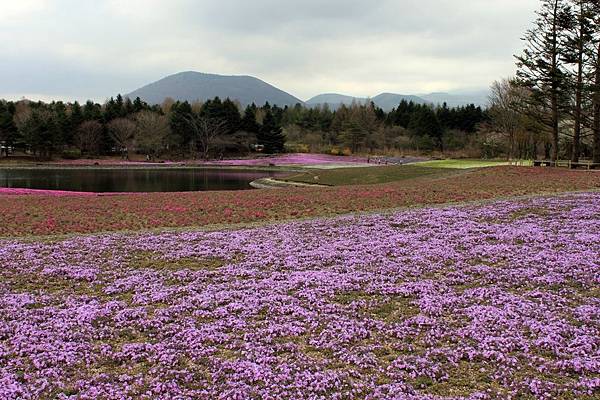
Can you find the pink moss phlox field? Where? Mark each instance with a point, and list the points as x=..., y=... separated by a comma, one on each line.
x=26, y=215
x=478, y=302
x=284, y=159
x=37, y=192
x=294, y=159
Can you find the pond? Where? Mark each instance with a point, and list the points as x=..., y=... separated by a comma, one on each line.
x=107, y=180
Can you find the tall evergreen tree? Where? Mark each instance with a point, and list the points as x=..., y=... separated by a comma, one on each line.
x=540, y=67
x=139, y=105
x=128, y=108
x=578, y=35
x=425, y=123
x=92, y=111
x=40, y=132
x=248, y=122
x=62, y=121
x=596, y=94
x=8, y=129
x=231, y=116
x=593, y=77
x=75, y=119
x=271, y=134
x=179, y=117
x=444, y=115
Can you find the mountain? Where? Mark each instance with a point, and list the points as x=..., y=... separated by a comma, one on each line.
x=457, y=99
x=334, y=100
x=192, y=86
x=386, y=101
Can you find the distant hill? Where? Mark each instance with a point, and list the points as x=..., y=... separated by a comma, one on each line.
x=455, y=100
x=334, y=100
x=386, y=101
x=192, y=86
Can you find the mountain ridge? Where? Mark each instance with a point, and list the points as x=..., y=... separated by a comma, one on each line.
x=192, y=86
x=388, y=101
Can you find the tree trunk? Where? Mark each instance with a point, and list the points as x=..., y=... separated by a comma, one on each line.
x=554, y=127
x=578, y=105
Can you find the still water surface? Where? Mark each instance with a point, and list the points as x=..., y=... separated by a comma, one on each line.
x=131, y=180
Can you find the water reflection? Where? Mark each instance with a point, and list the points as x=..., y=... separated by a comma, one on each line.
x=131, y=180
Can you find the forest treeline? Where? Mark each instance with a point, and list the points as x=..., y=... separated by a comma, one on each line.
x=217, y=128
x=554, y=100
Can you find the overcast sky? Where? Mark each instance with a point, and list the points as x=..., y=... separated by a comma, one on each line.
x=80, y=49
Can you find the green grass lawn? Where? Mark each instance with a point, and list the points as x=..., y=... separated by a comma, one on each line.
x=368, y=175
x=462, y=164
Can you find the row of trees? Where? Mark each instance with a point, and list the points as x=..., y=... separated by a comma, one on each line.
x=120, y=126
x=410, y=126
x=217, y=127
x=557, y=89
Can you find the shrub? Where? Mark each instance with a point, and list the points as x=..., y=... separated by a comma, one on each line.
x=71, y=154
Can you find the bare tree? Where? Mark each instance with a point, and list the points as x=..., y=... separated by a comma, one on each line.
x=206, y=131
x=197, y=106
x=152, y=133
x=89, y=137
x=505, y=99
x=22, y=113
x=365, y=118
x=122, y=131
x=167, y=105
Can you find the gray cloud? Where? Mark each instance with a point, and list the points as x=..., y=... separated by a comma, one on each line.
x=79, y=49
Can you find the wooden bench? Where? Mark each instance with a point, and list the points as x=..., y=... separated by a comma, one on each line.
x=567, y=164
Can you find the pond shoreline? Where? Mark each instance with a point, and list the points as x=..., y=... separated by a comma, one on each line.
x=78, y=181
x=295, y=168
x=271, y=183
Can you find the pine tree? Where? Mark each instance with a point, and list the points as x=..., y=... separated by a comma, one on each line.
x=403, y=113
x=248, y=122
x=594, y=78
x=271, y=135
x=179, y=118
x=231, y=116
x=425, y=123
x=128, y=108
x=540, y=67
x=40, y=132
x=139, y=105
x=596, y=105
x=578, y=36
x=444, y=115
x=8, y=129
x=62, y=121
x=92, y=111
